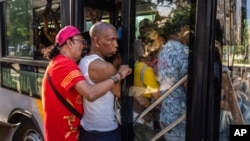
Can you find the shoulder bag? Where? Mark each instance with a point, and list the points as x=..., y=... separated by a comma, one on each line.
x=63, y=100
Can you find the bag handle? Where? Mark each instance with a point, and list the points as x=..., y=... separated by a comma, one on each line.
x=63, y=100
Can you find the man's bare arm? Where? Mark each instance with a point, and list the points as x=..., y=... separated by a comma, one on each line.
x=100, y=70
x=92, y=92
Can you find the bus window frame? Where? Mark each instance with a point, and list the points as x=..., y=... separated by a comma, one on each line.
x=202, y=103
x=16, y=59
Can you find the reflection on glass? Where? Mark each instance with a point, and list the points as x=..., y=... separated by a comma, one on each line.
x=95, y=15
x=31, y=25
x=233, y=19
x=19, y=33
x=164, y=33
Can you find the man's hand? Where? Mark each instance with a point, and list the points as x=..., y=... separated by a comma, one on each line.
x=124, y=70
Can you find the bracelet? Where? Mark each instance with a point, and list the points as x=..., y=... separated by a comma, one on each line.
x=115, y=79
x=120, y=75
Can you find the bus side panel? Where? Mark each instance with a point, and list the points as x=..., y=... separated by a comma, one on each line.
x=11, y=101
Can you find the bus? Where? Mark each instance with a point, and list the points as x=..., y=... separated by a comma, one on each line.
x=218, y=90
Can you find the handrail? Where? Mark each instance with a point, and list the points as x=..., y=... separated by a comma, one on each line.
x=232, y=99
x=166, y=129
x=161, y=98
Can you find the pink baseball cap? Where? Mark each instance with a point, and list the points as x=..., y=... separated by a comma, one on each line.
x=65, y=33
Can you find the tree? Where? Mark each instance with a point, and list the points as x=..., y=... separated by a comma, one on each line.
x=178, y=18
x=18, y=21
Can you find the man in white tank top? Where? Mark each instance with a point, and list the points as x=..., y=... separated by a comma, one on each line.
x=98, y=122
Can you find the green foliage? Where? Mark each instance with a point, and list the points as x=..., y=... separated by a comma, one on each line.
x=19, y=19
x=238, y=50
x=179, y=17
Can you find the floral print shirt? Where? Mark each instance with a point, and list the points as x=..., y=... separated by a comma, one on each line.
x=172, y=66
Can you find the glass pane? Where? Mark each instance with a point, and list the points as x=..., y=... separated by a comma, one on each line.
x=233, y=18
x=19, y=33
x=31, y=25
x=163, y=37
x=94, y=15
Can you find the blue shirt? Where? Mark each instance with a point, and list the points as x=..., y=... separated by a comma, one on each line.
x=172, y=66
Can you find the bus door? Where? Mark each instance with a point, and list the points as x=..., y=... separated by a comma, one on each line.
x=112, y=12
x=217, y=73
x=161, y=28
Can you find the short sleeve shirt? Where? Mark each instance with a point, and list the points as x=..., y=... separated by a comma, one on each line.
x=149, y=78
x=172, y=66
x=60, y=123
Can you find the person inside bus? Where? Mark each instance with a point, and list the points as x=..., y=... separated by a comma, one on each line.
x=144, y=25
x=99, y=122
x=149, y=39
x=50, y=33
x=65, y=76
x=145, y=77
x=172, y=66
x=47, y=34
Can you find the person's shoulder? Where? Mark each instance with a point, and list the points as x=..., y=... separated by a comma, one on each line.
x=89, y=57
x=99, y=63
x=61, y=61
x=139, y=65
x=61, y=58
x=100, y=69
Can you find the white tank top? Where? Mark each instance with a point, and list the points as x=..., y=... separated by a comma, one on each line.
x=98, y=115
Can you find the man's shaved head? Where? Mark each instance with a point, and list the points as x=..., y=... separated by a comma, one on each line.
x=99, y=28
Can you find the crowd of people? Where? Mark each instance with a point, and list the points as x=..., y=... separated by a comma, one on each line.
x=91, y=83
x=63, y=77
x=161, y=61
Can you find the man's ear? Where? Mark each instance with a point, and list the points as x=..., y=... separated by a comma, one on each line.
x=69, y=42
x=96, y=41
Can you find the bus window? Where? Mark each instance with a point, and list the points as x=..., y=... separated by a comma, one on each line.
x=162, y=28
x=232, y=42
x=29, y=26
x=94, y=15
x=22, y=65
x=18, y=19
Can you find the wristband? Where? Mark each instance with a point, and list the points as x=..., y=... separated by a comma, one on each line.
x=115, y=79
x=120, y=75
